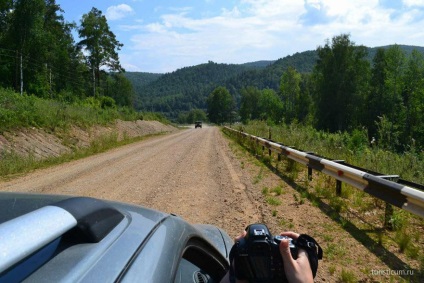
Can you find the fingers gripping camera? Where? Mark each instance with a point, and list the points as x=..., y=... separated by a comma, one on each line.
x=257, y=256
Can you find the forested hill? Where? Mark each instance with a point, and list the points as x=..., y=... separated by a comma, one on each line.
x=184, y=89
x=407, y=49
x=188, y=88
x=140, y=79
x=270, y=76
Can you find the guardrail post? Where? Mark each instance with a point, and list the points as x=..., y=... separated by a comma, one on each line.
x=338, y=188
x=338, y=183
x=269, y=137
x=388, y=211
x=310, y=169
x=309, y=173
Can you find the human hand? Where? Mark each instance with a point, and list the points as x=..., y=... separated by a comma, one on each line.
x=296, y=270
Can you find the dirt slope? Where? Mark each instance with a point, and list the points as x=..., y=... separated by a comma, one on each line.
x=201, y=176
x=41, y=143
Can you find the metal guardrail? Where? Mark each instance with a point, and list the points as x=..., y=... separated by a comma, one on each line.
x=375, y=184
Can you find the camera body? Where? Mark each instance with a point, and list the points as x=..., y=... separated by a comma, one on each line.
x=257, y=256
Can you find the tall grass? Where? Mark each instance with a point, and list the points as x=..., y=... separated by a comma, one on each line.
x=354, y=148
x=19, y=111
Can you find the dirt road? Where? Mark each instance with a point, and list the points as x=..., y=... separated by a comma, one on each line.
x=190, y=173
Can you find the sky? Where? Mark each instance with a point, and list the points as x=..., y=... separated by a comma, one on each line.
x=161, y=36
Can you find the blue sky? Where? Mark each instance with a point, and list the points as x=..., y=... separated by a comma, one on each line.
x=164, y=35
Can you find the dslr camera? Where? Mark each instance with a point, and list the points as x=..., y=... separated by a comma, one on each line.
x=257, y=256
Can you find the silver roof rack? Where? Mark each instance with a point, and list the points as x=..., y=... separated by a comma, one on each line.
x=22, y=236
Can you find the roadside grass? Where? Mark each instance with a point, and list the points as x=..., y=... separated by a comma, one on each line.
x=354, y=211
x=343, y=146
x=21, y=111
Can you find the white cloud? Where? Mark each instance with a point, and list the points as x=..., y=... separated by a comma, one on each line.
x=231, y=13
x=156, y=28
x=270, y=29
x=414, y=3
x=118, y=12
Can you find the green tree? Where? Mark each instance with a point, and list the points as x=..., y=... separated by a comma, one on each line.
x=63, y=67
x=220, y=105
x=6, y=56
x=41, y=55
x=196, y=115
x=341, y=77
x=376, y=101
x=413, y=98
x=396, y=61
x=304, y=106
x=270, y=106
x=100, y=43
x=120, y=89
x=290, y=93
x=249, y=109
x=25, y=35
x=5, y=13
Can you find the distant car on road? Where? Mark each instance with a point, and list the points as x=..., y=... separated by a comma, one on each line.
x=197, y=124
x=46, y=238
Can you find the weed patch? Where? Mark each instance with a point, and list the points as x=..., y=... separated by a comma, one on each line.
x=347, y=277
x=273, y=201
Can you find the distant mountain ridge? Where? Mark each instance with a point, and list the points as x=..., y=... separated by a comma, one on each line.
x=187, y=88
x=259, y=64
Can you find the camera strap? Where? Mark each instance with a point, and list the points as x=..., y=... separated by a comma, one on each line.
x=232, y=271
x=313, y=250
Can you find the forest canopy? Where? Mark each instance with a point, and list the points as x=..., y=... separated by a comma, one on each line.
x=39, y=56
